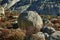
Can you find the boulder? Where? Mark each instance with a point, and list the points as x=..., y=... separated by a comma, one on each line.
x=48, y=30
x=13, y=34
x=54, y=20
x=30, y=18
x=19, y=34
x=5, y=34
x=55, y=36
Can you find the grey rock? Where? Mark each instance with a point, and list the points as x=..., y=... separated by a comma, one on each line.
x=48, y=30
x=0, y=0
x=46, y=35
x=55, y=36
x=30, y=18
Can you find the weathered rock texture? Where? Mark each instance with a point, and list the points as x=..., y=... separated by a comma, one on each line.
x=38, y=36
x=55, y=36
x=30, y=18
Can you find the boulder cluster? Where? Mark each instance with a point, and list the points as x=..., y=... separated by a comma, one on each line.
x=30, y=26
x=30, y=20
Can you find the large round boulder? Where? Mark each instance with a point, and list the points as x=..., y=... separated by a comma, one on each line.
x=30, y=19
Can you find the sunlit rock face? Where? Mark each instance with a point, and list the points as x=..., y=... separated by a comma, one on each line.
x=10, y=4
x=2, y=11
x=28, y=19
x=48, y=30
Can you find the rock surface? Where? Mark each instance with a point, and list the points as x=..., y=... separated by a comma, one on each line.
x=55, y=36
x=48, y=30
x=2, y=11
x=46, y=35
x=13, y=34
x=38, y=36
x=30, y=18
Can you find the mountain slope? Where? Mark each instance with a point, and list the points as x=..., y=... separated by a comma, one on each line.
x=51, y=7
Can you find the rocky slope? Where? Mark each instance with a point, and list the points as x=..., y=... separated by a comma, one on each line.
x=40, y=6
